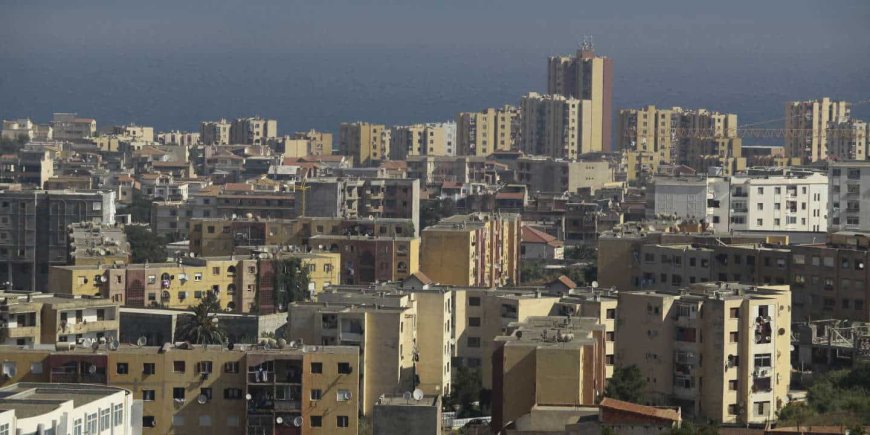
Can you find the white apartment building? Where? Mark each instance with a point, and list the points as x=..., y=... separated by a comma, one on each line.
x=66, y=409
x=849, y=190
x=786, y=202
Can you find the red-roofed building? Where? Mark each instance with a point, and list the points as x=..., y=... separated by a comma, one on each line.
x=538, y=245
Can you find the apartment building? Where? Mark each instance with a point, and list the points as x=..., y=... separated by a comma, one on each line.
x=209, y=389
x=849, y=208
x=39, y=407
x=33, y=230
x=719, y=351
x=364, y=142
x=432, y=139
x=545, y=174
x=806, y=127
x=253, y=131
x=215, y=132
x=176, y=137
x=477, y=249
x=556, y=126
x=135, y=132
x=46, y=318
x=598, y=304
x=30, y=167
x=319, y=142
x=372, y=258
x=17, y=128
x=436, y=170
x=482, y=314
x=586, y=76
x=181, y=284
x=848, y=140
x=487, y=131
x=383, y=336
x=70, y=127
x=547, y=361
x=354, y=198
x=647, y=131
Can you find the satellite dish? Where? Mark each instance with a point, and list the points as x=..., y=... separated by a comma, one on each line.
x=142, y=341
x=298, y=421
x=282, y=343
x=92, y=369
x=114, y=345
x=102, y=340
x=594, y=284
x=346, y=395
x=87, y=342
x=293, y=344
x=418, y=394
x=95, y=345
x=103, y=279
x=248, y=396
x=407, y=395
x=202, y=399
x=279, y=420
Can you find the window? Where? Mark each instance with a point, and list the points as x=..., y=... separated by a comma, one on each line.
x=118, y=414
x=342, y=421
x=732, y=385
x=232, y=393
x=734, y=313
x=732, y=409
x=148, y=368
x=762, y=360
x=105, y=419
x=122, y=369
x=316, y=394
x=178, y=366
x=178, y=420
x=205, y=420
x=205, y=392
x=474, y=301
x=610, y=313
x=178, y=393
x=91, y=424
x=148, y=395
x=35, y=368
x=231, y=367
x=316, y=421
x=233, y=421
x=474, y=321
x=733, y=337
x=149, y=421
x=203, y=367
x=762, y=408
x=610, y=336
x=342, y=395
x=473, y=342
x=77, y=427
x=344, y=368
x=316, y=367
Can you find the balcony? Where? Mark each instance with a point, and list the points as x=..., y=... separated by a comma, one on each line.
x=763, y=330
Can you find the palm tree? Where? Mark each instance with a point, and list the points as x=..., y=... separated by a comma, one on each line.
x=202, y=326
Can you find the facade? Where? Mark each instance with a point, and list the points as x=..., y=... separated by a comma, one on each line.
x=396, y=415
x=478, y=249
x=848, y=140
x=253, y=131
x=544, y=174
x=376, y=258
x=364, y=142
x=189, y=389
x=134, y=132
x=97, y=244
x=57, y=408
x=433, y=139
x=490, y=130
x=363, y=198
x=849, y=208
x=68, y=126
x=552, y=361
x=182, y=138
x=33, y=230
x=586, y=76
x=215, y=132
x=806, y=127
x=556, y=126
x=319, y=143
x=44, y=318
x=745, y=349
x=17, y=128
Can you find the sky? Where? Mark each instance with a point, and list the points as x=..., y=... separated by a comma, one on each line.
x=314, y=64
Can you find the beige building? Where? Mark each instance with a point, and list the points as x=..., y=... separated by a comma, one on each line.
x=45, y=318
x=550, y=361
x=806, y=127
x=215, y=132
x=319, y=142
x=134, y=132
x=189, y=389
x=544, y=174
x=599, y=304
x=69, y=126
x=364, y=142
x=557, y=126
x=253, y=131
x=742, y=334
x=490, y=130
x=478, y=249
x=586, y=76
x=17, y=128
x=433, y=139
x=848, y=140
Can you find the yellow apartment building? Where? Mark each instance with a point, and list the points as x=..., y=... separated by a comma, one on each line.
x=600, y=305
x=212, y=390
x=547, y=361
x=742, y=334
x=364, y=142
x=44, y=318
x=478, y=249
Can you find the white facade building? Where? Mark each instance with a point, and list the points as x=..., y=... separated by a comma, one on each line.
x=67, y=409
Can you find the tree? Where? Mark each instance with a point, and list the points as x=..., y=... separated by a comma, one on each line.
x=434, y=210
x=140, y=208
x=202, y=326
x=626, y=384
x=291, y=281
x=145, y=245
x=466, y=389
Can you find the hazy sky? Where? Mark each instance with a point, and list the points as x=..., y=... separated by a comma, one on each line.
x=171, y=60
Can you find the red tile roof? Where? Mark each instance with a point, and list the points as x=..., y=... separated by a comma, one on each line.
x=422, y=277
x=533, y=235
x=649, y=411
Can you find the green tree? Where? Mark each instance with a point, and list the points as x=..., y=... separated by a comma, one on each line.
x=626, y=384
x=202, y=326
x=145, y=245
x=291, y=281
x=466, y=389
x=432, y=211
x=140, y=207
